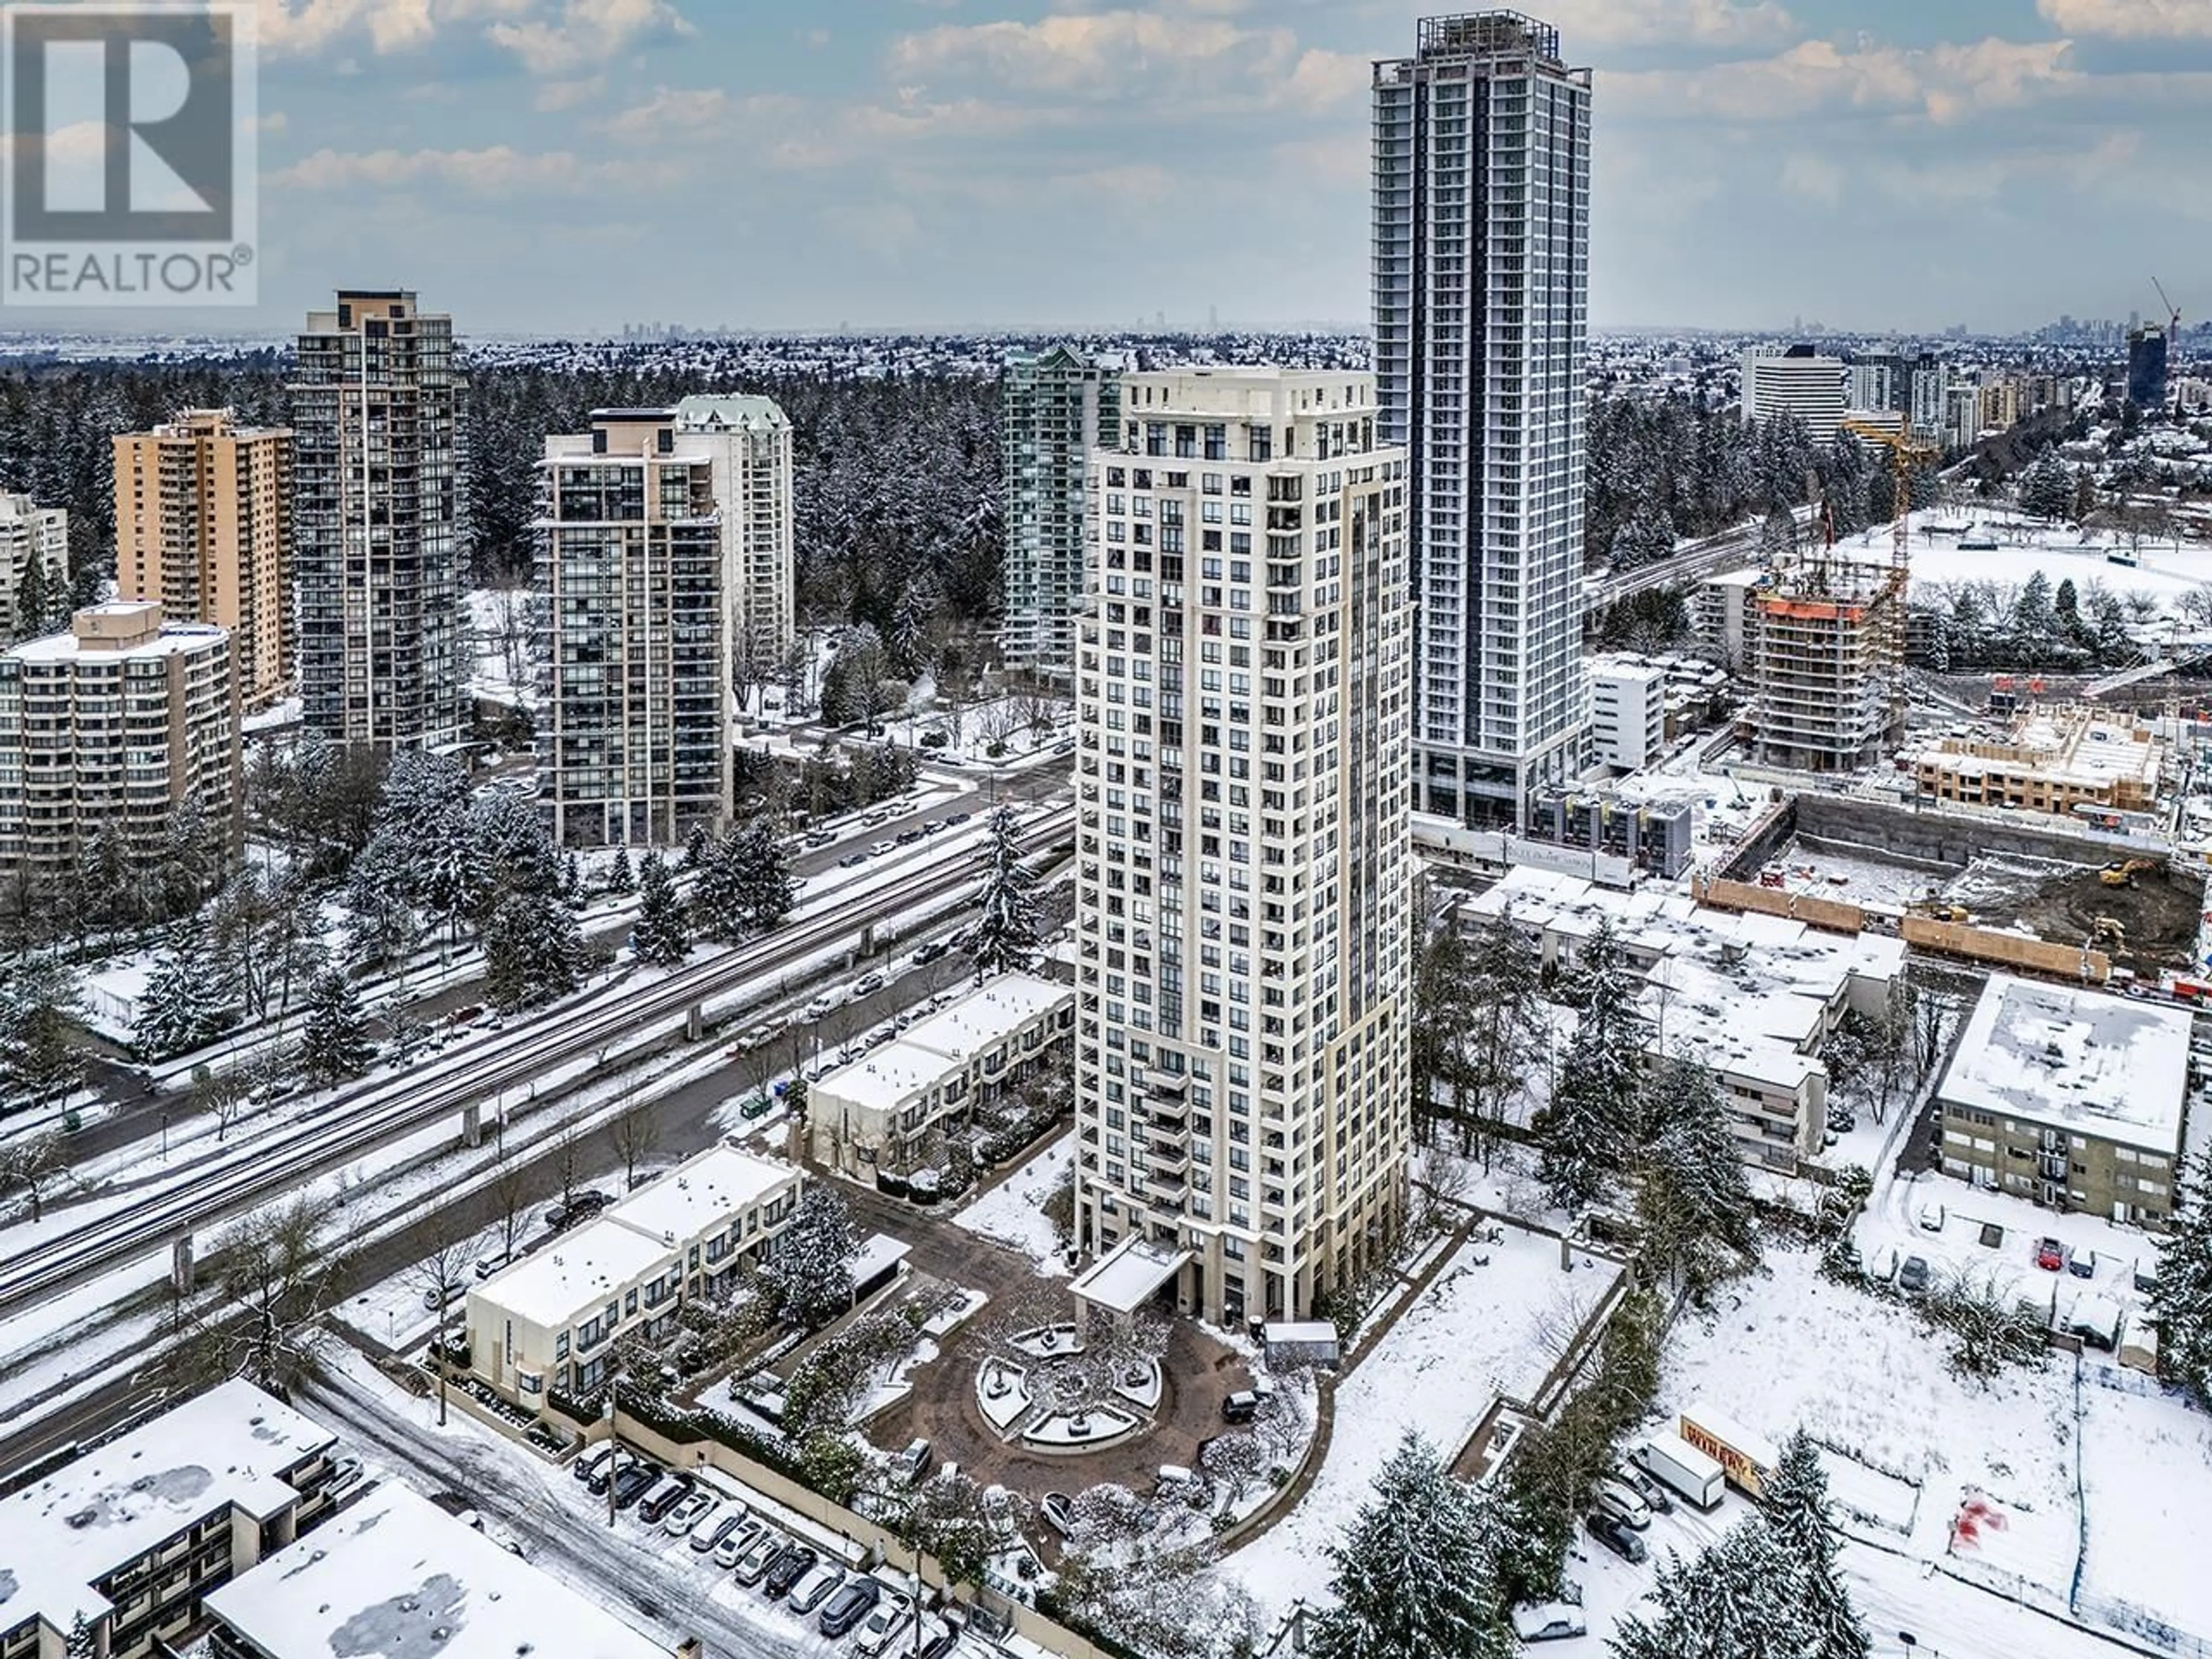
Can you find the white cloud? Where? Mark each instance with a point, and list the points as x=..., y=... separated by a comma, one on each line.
x=568, y=94
x=2132, y=20
x=587, y=32
x=499, y=170
x=1816, y=178
x=690, y=113
x=1583, y=23
x=1944, y=83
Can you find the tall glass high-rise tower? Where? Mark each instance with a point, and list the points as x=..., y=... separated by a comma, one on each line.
x=1482, y=151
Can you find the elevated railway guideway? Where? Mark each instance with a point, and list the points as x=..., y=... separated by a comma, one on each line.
x=372, y=1116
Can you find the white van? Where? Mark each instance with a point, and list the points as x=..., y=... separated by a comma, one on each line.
x=1623, y=1503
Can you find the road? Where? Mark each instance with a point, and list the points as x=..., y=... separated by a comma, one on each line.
x=472, y=1075
x=1693, y=561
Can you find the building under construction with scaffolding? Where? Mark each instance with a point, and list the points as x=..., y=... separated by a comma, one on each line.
x=1828, y=666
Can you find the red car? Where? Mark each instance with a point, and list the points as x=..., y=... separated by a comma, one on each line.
x=2050, y=1255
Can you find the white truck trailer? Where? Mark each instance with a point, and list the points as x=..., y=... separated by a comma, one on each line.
x=1749, y=1460
x=1682, y=1469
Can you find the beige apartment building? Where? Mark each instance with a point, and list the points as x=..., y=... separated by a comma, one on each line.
x=2059, y=761
x=1244, y=769
x=203, y=528
x=124, y=721
x=32, y=537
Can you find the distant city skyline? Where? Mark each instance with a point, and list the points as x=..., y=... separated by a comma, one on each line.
x=1049, y=164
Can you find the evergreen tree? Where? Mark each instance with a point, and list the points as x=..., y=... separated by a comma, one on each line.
x=718, y=894
x=533, y=953
x=696, y=847
x=1589, y=1127
x=514, y=853
x=1413, y=1579
x=1692, y=1197
x=2046, y=489
x=661, y=939
x=812, y=1269
x=1731, y=1601
x=334, y=1042
x=1796, y=1515
x=1005, y=932
x=40, y=1055
x=766, y=888
x=2181, y=1297
x=621, y=878
x=182, y=1006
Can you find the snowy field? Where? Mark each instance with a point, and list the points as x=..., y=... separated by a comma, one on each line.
x=1493, y=1322
x=2061, y=552
x=1012, y=1212
x=1995, y=1465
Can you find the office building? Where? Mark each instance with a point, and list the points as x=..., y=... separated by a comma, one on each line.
x=33, y=556
x=642, y=596
x=203, y=528
x=1628, y=713
x=125, y=724
x=395, y=1575
x=2148, y=354
x=1057, y=406
x=377, y=522
x=749, y=441
x=1242, y=866
x=2071, y=1098
x=1795, y=383
x=548, y=1323
x=1481, y=281
x=889, y=1110
x=119, y=1547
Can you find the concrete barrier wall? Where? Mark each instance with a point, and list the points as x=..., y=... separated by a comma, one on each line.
x=1831, y=914
x=2034, y=955
x=1948, y=838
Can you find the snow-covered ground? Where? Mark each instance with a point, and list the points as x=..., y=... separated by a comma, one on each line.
x=1977, y=1481
x=2025, y=546
x=1493, y=1322
x=1012, y=1212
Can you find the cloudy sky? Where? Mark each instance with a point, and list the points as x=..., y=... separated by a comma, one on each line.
x=575, y=165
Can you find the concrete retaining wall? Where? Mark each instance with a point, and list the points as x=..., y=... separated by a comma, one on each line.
x=1952, y=840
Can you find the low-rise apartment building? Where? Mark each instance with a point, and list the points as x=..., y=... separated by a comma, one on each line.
x=128, y=1541
x=2057, y=761
x=1753, y=997
x=394, y=1564
x=2071, y=1097
x=878, y=1112
x=1628, y=712
x=548, y=1324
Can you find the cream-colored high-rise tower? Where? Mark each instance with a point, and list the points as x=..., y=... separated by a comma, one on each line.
x=203, y=528
x=1243, y=776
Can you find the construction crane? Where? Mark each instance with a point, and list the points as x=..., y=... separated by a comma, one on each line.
x=1904, y=450
x=2172, y=314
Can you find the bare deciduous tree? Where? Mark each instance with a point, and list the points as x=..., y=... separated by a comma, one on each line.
x=442, y=1276
x=273, y=1279
x=634, y=1133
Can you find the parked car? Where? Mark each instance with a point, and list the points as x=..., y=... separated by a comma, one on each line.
x=1620, y=1540
x=866, y=986
x=956, y=818
x=718, y=1523
x=2081, y=1266
x=853, y=860
x=605, y=1474
x=909, y=1466
x=793, y=1563
x=665, y=1493
x=930, y=953
x=634, y=1483
x=687, y=1512
x=853, y=1603
x=820, y=1008
x=1065, y=746
x=878, y=848
x=1651, y=1490
x=938, y=1640
x=1241, y=1406
x=1623, y=1503
x=1931, y=1218
x=751, y=1564
x=2049, y=1255
x=581, y=1205
x=934, y=827
x=1549, y=1622
x=892, y=1618
x=1912, y=1276
x=488, y=1265
x=819, y=837
x=907, y=837
x=817, y=1585
x=1058, y=1511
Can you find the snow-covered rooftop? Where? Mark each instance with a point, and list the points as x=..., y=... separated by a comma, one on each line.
x=2076, y=1060
x=885, y=1078
x=702, y=1194
x=220, y=1449
x=1125, y=1278
x=394, y=1575
x=587, y=1266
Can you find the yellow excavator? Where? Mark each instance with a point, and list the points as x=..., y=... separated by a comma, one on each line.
x=2124, y=872
x=1937, y=909
x=2109, y=935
